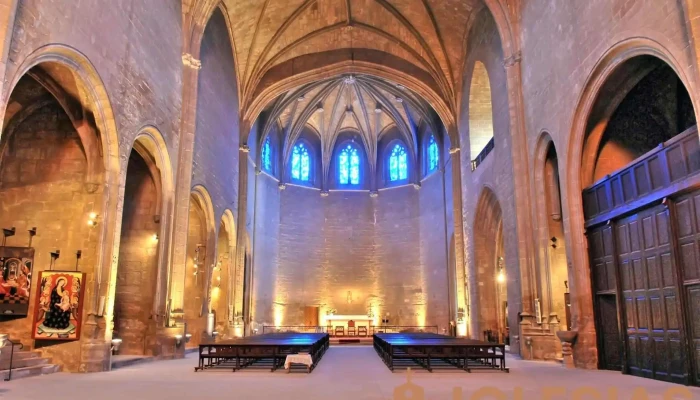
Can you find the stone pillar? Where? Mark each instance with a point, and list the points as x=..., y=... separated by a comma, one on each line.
x=183, y=186
x=522, y=195
x=459, y=275
x=241, y=238
x=8, y=10
x=692, y=9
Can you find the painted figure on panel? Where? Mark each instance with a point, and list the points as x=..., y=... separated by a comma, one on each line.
x=15, y=279
x=59, y=306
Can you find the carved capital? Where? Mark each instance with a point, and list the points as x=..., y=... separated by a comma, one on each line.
x=324, y=193
x=373, y=194
x=244, y=148
x=454, y=150
x=189, y=61
x=416, y=186
x=91, y=187
x=282, y=186
x=513, y=60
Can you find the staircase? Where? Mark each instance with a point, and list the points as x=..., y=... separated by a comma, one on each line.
x=24, y=363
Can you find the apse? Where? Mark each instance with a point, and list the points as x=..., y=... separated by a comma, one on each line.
x=351, y=214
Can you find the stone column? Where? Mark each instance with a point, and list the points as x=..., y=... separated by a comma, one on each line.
x=183, y=187
x=522, y=193
x=8, y=10
x=241, y=238
x=459, y=275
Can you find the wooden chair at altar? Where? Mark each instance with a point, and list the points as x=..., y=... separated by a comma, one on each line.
x=339, y=331
x=361, y=331
x=351, y=328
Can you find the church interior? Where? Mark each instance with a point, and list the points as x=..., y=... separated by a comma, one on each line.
x=190, y=186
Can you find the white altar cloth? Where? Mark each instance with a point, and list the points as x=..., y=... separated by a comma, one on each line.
x=298, y=359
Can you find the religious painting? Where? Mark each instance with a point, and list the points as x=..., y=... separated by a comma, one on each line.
x=15, y=279
x=59, y=306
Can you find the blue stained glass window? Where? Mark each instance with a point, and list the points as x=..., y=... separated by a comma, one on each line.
x=266, y=156
x=398, y=164
x=433, y=155
x=301, y=162
x=349, y=166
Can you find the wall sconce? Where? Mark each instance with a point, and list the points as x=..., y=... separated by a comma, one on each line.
x=116, y=343
x=178, y=340
x=214, y=334
x=155, y=237
x=92, y=219
x=188, y=337
x=501, y=277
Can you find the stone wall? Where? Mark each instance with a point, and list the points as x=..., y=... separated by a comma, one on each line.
x=351, y=253
x=42, y=173
x=215, y=164
x=494, y=173
x=138, y=261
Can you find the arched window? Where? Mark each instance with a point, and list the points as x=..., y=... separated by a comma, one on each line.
x=301, y=163
x=398, y=164
x=267, y=155
x=349, y=166
x=480, y=115
x=433, y=154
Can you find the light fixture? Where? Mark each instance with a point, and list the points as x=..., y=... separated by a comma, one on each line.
x=501, y=277
x=350, y=80
x=399, y=99
x=301, y=98
x=155, y=237
x=319, y=109
x=92, y=219
x=215, y=334
x=178, y=340
x=378, y=108
x=115, y=345
x=188, y=336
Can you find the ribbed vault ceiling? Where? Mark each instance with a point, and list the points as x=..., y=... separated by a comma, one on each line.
x=362, y=104
x=425, y=34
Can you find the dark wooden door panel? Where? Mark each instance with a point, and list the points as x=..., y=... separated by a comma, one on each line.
x=687, y=225
x=653, y=325
x=612, y=346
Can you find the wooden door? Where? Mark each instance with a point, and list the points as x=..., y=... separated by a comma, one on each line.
x=610, y=342
x=652, y=307
x=687, y=226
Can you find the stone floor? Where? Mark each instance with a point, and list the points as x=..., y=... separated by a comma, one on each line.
x=353, y=373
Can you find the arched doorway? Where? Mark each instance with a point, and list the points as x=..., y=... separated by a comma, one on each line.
x=197, y=274
x=640, y=175
x=553, y=293
x=491, y=275
x=137, y=273
x=221, y=296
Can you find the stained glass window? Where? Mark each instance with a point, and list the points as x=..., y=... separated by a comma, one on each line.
x=267, y=156
x=349, y=166
x=398, y=164
x=301, y=162
x=433, y=155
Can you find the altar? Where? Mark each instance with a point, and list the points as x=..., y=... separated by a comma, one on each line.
x=334, y=321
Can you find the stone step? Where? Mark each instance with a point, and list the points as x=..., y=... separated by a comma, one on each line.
x=18, y=355
x=22, y=362
x=27, y=372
